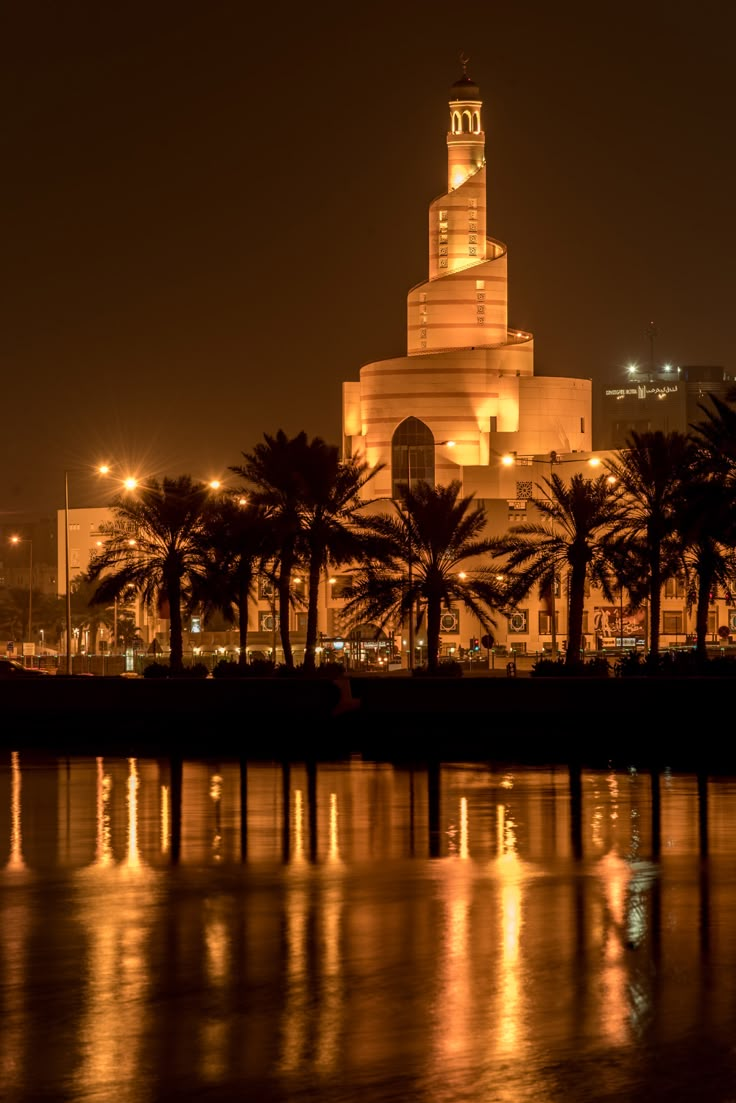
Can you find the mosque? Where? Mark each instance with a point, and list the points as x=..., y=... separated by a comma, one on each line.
x=468, y=377
x=464, y=403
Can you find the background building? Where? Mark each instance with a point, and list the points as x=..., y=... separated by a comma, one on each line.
x=667, y=399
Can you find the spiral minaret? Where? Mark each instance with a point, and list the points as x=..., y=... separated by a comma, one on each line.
x=466, y=376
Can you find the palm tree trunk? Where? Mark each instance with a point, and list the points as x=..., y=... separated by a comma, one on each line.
x=312, y=616
x=705, y=581
x=434, y=618
x=243, y=625
x=575, y=614
x=287, y=564
x=176, y=640
x=655, y=606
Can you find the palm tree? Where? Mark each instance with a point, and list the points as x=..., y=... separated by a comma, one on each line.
x=650, y=472
x=329, y=534
x=580, y=519
x=88, y=613
x=706, y=512
x=706, y=522
x=237, y=545
x=274, y=478
x=310, y=496
x=154, y=548
x=425, y=552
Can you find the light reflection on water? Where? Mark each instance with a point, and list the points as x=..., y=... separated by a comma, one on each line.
x=364, y=931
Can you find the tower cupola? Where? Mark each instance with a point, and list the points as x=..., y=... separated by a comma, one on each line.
x=465, y=138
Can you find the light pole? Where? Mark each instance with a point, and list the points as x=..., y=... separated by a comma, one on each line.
x=409, y=556
x=129, y=484
x=509, y=460
x=27, y=540
x=66, y=576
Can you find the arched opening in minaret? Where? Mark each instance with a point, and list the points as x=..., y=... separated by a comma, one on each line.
x=456, y=122
x=467, y=123
x=476, y=122
x=412, y=456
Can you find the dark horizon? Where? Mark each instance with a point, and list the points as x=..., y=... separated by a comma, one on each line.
x=212, y=219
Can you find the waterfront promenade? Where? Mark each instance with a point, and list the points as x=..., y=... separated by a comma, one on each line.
x=647, y=722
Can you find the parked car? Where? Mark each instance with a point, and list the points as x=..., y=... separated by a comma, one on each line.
x=11, y=668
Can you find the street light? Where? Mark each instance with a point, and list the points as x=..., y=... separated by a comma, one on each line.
x=129, y=484
x=409, y=557
x=511, y=459
x=27, y=540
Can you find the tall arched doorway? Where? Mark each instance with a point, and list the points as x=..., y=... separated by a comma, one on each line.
x=412, y=456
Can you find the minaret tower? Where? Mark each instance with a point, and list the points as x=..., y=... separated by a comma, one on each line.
x=465, y=393
x=469, y=310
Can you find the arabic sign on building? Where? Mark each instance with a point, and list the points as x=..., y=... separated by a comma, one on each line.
x=612, y=621
x=643, y=390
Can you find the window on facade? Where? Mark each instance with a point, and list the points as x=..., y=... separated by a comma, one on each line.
x=545, y=623
x=672, y=623
x=412, y=456
x=493, y=423
x=339, y=586
x=674, y=587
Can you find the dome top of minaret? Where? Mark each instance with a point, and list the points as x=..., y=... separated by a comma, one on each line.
x=464, y=88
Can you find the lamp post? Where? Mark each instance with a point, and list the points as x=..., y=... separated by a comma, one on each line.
x=509, y=460
x=27, y=540
x=66, y=576
x=129, y=484
x=409, y=556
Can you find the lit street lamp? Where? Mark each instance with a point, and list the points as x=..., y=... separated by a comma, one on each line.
x=129, y=484
x=409, y=556
x=29, y=542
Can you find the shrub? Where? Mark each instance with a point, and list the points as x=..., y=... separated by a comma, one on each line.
x=447, y=668
x=674, y=664
x=597, y=667
x=196, y=670
x=156, y=670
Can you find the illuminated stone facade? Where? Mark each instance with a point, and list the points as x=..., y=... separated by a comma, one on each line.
x=468, y=376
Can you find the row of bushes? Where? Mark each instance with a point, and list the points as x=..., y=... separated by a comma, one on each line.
x=259, y=668
x=635, y=664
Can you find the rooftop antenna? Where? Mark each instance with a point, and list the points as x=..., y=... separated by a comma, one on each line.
x=651, y=334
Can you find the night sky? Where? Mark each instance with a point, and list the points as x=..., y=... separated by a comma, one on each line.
x=211, y=218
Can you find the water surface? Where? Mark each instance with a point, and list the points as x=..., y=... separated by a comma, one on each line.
x=218, y=931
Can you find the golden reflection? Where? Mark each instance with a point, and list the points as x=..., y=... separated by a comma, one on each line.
x=113, y=989
x=457, y=835
x=165, y=806
x=218, y=964
x=299, y=854
x=464, y=850
x=16, y=861
x=330, y=980
x=296, y=1016
x=16, y=924
x=508, y=869
x=216, y=798
x=133, y=858
x=609, y=931
x=333, y=846
x=103, y=841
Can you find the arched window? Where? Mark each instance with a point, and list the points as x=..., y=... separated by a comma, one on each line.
x=476, y=122
x=466, y=122
x=412, y=456
x=455, y=122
